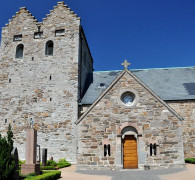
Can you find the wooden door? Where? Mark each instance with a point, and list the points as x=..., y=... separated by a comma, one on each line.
x=130, y=152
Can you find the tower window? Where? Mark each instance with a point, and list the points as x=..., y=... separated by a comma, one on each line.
x=49, y=48
x=19, y=51
x=18, y=37
x=38, y=35
x=60, y=32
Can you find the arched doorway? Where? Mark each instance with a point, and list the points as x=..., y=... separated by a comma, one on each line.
x=129, y=148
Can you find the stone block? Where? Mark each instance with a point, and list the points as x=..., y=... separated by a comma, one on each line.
x=30, y=168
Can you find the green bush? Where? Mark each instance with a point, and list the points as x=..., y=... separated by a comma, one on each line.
x=63, y=163
x=48, y=168
x=49, y=175
x=51, y=163
x=190, y=160
x=20, y=163
x=7, y=163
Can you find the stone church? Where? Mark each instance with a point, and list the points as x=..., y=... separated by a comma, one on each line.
x=141, y=119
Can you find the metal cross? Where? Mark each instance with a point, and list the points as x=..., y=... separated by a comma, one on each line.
x=126, y=64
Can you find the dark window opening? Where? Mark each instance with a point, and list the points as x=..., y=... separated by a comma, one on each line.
x=150, y=149
x=50, y=99
x=102, y=85
x=10, y=80
x=5, y=120
x=18, y=37
x=38, y=35
x=50, y=77
x=49, y=48
x=19, y=51
x=105, y=150
x=60, y=32
x=154, y=148
x=32, y=58
x=108, y=149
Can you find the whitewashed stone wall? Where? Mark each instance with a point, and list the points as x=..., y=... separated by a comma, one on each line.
x=31, y=94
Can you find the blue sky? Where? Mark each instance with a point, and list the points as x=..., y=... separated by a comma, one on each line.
x=148, y=33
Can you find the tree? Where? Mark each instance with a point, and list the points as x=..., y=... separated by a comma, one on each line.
x=7, y=163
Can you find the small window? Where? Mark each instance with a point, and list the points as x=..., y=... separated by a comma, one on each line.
x=18, y=37
x=60, y=32
x=150, y=149
x=105, y=150
x=38, y=35
x=102, y=85
x=108, y=146
x=153, y=149
x=19, y=51
x=49, y=48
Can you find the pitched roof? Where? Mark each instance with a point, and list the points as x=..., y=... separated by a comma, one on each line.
x=138, y=81
x=167, y=83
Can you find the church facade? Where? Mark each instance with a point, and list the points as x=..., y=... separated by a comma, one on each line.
x=98, y=120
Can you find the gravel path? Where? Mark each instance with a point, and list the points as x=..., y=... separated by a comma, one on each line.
x=165, y=174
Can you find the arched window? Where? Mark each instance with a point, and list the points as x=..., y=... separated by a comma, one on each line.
x=49, y=48
x=19, y=51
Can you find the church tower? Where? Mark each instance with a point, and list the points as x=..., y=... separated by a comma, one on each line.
x=43, y=67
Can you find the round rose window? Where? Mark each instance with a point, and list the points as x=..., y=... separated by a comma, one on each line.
x=128, y=98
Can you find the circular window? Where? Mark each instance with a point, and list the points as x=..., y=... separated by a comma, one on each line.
x=128, y=98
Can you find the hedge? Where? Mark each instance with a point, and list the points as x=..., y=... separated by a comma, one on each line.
x=190, y=160
x=48, y=168
x=49, y=175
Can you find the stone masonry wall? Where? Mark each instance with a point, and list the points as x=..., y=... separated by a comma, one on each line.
x=154, y=120
x=40, y=88
x=186, y=109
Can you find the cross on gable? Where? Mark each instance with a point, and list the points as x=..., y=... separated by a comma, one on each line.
x=126, y=64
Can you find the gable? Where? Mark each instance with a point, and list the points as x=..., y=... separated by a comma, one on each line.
x=126, y=81
x=23, y=21
x=60, y=17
